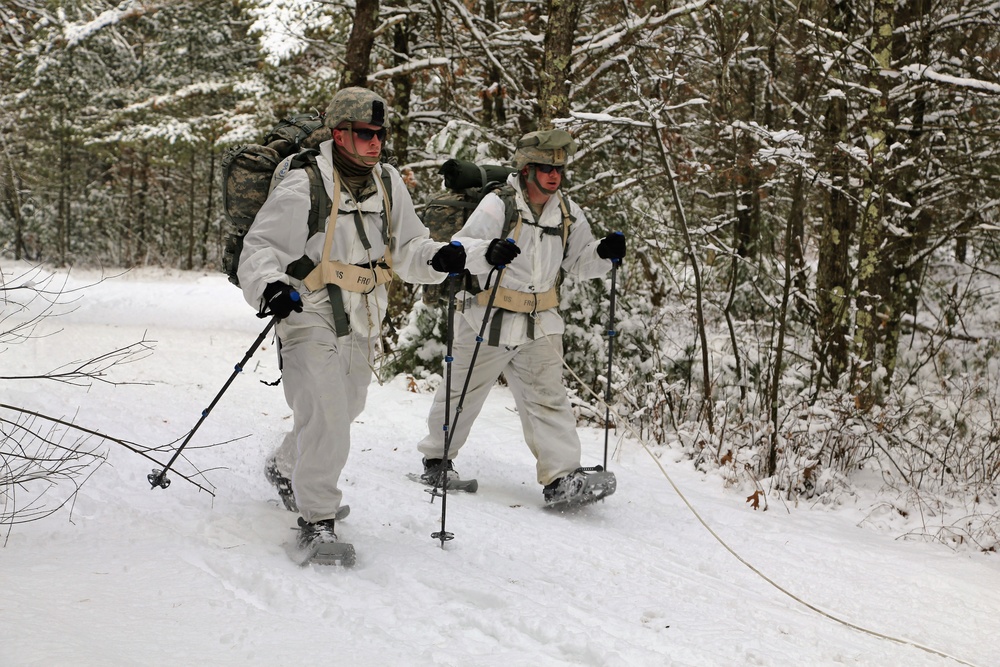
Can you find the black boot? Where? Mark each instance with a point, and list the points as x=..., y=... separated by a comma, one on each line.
x=436, y=472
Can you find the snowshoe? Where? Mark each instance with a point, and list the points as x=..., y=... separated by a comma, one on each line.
x=437, y=473
x=580, y=488
x=317, y=543
x=281, y=483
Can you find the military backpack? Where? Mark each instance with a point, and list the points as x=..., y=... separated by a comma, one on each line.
x=248, y=176
x=445, y=213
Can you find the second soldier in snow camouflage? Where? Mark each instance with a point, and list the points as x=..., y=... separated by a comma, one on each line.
x=525, y=328
x=329, y=292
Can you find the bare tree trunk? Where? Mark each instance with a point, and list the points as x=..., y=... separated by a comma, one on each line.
x=774, y=395
x=126, y=235
x=358, y=52
x=62, y=223
x=494, y=111
x=553, y=95
x=10, y=187
x=402, y=88
x=142, y=211
x=209, y=206
x=833, y=281
x=800, y=94
x=189, y=231
x=872, y=284
x=907, y=250
x=746, y=184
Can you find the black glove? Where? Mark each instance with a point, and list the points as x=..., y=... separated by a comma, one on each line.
x=449, y=259
x=501, y=252
x=279, y=300
x=612, y=246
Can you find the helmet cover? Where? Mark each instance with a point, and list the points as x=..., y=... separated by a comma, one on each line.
x=356, y=105
x=544, y=147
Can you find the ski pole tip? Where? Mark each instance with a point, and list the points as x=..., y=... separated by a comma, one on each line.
x=157, y=478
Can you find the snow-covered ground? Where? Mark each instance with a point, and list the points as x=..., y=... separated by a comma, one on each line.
x=136, y=576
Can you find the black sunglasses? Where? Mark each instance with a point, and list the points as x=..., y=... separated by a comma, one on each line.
x=549, y=168
x=366, y=134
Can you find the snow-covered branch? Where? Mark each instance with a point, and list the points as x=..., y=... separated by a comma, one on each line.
x=928, y=73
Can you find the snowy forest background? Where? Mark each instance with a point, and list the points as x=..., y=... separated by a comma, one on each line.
x=810, y=191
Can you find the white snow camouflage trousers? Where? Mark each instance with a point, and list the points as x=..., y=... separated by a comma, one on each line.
x=326, y=380
x=534, y=374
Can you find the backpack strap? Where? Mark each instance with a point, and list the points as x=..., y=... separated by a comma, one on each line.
x=525, y=302
x=386, y=213
x=567, y=220
x=510, y=210
x=341, y=322
x=320, y=207
x=337, y=276
x=387, y=209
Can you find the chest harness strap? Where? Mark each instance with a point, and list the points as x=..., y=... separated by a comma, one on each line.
x=358, y=278
x=525, y=302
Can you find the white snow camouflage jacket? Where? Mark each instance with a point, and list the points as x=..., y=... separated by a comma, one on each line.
x=536, y=269
x=280, y=235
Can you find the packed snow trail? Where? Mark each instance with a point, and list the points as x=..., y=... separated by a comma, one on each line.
x=176, y=576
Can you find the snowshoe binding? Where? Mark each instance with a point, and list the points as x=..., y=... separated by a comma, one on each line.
x=581, y=487
x=317, y=543
x=437, y=473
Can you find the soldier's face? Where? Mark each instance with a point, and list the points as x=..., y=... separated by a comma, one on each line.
x=549, y=176
x=543, y=177
x=361, y=143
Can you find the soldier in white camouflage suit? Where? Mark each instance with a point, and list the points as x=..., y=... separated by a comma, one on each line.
x=329, y=293
x=524, y=334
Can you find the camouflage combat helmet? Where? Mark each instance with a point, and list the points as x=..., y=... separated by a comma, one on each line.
x=356, y=105
x=544, y=147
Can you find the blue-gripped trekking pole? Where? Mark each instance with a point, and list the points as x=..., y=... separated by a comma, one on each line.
x=158, y=478
x=611, y=346
x=442, y=534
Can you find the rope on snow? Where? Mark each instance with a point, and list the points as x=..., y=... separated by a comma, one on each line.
x=737, y=556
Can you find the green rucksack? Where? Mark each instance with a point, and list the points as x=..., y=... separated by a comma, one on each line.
x=467, y=183
x=445, y=213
